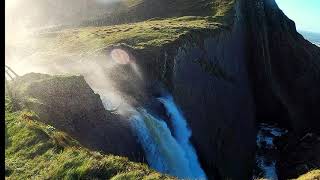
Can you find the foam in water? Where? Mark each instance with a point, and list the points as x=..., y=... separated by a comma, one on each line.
x=167, y=152
x=162, y=151
x=266, y=161
x=182, y=133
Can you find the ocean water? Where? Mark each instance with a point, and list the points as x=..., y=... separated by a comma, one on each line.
x=311, y=36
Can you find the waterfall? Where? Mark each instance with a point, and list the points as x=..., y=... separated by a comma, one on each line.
x=182, y=134
x=166, y=151
x=162, y=151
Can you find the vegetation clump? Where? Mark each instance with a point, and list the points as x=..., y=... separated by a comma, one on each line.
x=34, y=150
x=312, y=175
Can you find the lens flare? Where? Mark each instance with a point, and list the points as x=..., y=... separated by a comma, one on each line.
x=120, y=56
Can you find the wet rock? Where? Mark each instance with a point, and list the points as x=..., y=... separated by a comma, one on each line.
x=69, y=104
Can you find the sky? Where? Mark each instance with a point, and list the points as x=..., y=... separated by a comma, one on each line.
x=305, y=13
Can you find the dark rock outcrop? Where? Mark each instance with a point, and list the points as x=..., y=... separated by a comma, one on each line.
x=69, y=104
x=299, y=154
x=284, y=68
x=218, y=102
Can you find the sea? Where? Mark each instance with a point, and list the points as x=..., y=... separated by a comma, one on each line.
x=311, y=36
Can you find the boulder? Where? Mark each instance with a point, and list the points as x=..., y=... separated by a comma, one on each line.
x=69, y=104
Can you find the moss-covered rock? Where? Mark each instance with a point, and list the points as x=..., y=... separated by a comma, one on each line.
x=39, y=151
x=69, y=104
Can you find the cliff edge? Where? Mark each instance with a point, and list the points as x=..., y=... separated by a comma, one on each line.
x=229, y=67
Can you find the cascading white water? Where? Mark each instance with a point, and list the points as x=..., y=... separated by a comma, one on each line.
x=167, y=152
x=162, y=151
x=182, y=134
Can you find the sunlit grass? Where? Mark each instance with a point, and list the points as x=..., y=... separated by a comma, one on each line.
x=153, y=34
x=34, y=150
x=148, y=34
x=312, y=175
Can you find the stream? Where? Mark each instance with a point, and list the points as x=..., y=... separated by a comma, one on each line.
x=267, y=153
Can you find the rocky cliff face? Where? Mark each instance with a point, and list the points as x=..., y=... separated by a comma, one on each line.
x=212, y=86
x=207, y=72
x=257, y=69
x=69, y=104
x=284, y=68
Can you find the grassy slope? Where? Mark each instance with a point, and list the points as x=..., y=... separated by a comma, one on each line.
x=140, y=10
x=150, y=34
x=312, y=175
x=142, y=35
x=37, y=151
x=169, y=8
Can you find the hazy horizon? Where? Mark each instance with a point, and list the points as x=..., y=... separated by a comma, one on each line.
x=305, y=14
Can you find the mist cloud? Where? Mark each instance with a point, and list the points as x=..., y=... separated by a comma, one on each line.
x=106, y=77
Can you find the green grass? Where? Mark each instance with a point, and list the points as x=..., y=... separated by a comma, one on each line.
x=312, y=175
x=170, y=8
x=141, y=10
x=34, y=150
x=142, y=35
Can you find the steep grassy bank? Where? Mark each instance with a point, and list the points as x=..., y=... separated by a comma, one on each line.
x=68, y=103
x=145, y=35
x=312, y=175
x=34, y=150
x=141, y=10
